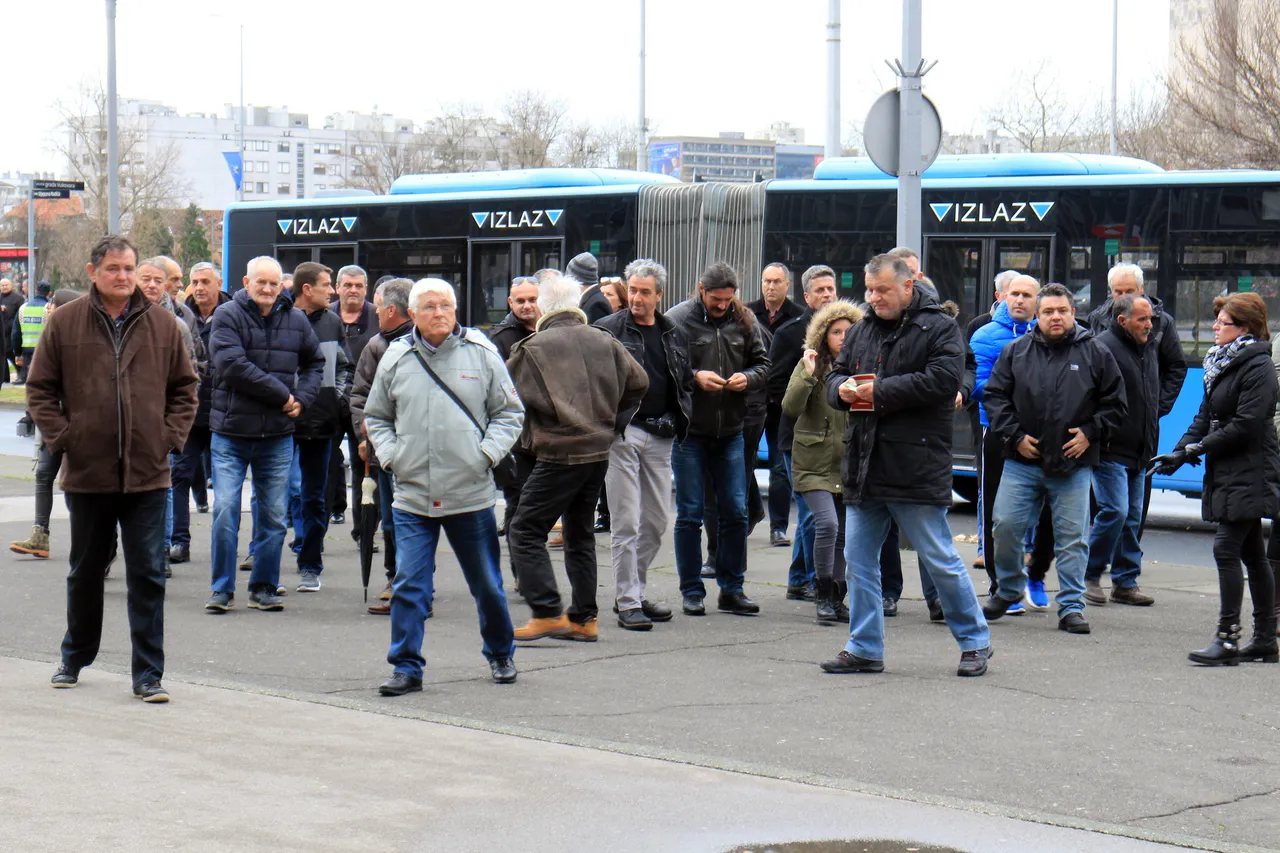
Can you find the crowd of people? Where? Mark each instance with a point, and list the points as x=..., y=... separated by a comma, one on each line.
x=588, y=402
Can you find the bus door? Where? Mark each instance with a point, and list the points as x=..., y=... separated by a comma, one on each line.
x=964, y=271
x=334, y=256
x=494, y=263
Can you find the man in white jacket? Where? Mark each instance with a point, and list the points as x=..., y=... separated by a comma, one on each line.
x=442, y=458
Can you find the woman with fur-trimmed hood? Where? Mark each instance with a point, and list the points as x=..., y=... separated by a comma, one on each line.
x=818, y=452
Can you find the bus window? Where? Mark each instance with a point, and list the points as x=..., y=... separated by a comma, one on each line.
x=490, y=280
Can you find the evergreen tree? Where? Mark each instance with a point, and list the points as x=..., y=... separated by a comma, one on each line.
x=193, y=244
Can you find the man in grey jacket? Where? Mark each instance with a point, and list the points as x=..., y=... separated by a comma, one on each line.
x=441, y=415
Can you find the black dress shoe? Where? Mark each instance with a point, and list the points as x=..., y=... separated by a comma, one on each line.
x=65, y=676
x=995, y=607
x=503, y=669
x=634, y=620
x=655, y=612
x=847, y=662
x=1073, y=623
x=737, y=602
x=890, y=607
x=708, y=571
x=935, y=611
x=202, y=508
x=179, y=554
x=693, y=606
x=803, y=592
x=778, y=539
x=338, y=518
x=399, y=684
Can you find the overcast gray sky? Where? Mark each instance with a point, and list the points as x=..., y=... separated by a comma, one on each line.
x=712, y=64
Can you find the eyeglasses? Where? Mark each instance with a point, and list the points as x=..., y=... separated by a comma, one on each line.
x=435, y=308
x=1221, y=322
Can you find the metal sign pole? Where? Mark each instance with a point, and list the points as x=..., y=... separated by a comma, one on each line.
x=31, y=237
x=113, y=139
x=910, y=164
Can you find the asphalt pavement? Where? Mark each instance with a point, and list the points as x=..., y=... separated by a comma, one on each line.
x=1095, y=742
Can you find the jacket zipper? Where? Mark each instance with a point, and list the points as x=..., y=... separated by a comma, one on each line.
x=719, y=364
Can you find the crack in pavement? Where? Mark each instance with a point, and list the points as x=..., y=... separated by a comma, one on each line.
x=1230, y=802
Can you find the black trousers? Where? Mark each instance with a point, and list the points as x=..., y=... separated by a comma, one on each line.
x=1236, y=541
x=94, y=518
x=553, y=491
x=336, y=488
x=779, y=485
x=511, y=495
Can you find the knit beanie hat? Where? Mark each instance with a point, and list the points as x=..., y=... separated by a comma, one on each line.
x=584, y=268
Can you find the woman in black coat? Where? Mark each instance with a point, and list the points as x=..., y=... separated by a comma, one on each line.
x=1235, y=434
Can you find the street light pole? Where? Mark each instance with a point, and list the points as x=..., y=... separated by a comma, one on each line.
x=1115, y=55
x=911, y=106
x=642, y=130
x=833, y=147
x=240, y=188
x=31, y=235
x=113, y=139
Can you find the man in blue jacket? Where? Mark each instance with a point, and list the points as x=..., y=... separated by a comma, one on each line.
x=268, y=367
x=1011, y=319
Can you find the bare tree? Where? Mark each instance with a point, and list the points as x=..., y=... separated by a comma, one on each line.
x=150, y=176
x=596, y=146
x=534, y=123
x=374, y=159
x=1226, y=90
x=1036, y=113
x=464, y=139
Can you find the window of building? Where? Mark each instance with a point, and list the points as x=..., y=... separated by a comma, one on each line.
x=322, y=186
x=315, y=149
x=284, y=189
x=357, y=170
x=283, y=167
x=261, y=186
x=319, y=169
x=282, y=147
x=335, y=169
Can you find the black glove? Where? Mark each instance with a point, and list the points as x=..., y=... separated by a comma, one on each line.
x=1193, y=453
x=1168, y=463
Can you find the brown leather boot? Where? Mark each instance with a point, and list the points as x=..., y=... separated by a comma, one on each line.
x=583, y=632
x=536, y=629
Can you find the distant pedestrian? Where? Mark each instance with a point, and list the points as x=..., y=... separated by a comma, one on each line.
x=1234, y=431
x=268, y=369
x=10, y=301
x=28, y=325
x=441, y=415
x=520, y=323
x=577, y=384
x=113, y=388
x=585, y=269
x=639, y=475
x=902, y=366
x=359, y=326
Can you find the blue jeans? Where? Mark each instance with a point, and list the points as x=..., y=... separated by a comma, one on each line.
x=723, y=459
x=168, y=519
x=293, y=507
x=269, y=460
x=1023, y=490
x=802, y=569
x=474, y=539
x=1114, y=537
x=866, y=527
x=312, y=463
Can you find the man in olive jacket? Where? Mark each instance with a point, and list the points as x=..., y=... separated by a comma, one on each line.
x=113, y=388
x=576, y=383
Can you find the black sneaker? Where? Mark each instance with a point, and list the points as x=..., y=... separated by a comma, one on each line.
x=180, y=554
x=995, y=607
x=634, y=620
x=504, y=670
x=151, y=692
x=847, y=662
x=693, y=606
x=935, y=611
x=399, y=684
x=803, y=592
x=738, y=603
x=65, y=677
x=265, y=599
x=890, y=607
x=1073, y=623
x=220, y=602
x=338, y=518
x=974, y=663
x=202, y=508
x=707, y=571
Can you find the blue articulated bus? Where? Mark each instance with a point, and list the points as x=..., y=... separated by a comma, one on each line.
x=1059, y=217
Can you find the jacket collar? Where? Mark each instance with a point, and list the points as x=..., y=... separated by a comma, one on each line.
x=137, y=302
x=1075, y=335
x=283, y=303
x=223, y=298
x=1001, y=315
x=398, y=332
x=417, y=341
x=562, y=317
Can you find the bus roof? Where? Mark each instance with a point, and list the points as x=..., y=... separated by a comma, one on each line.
x=518, y=179
x=993, y=166
x=1154, y=179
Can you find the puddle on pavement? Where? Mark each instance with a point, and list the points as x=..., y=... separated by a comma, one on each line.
x=854, y=845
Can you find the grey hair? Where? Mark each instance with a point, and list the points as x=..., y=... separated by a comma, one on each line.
x=206, y=265
x=1004, y=279
x=351, y=271
x=1123, y=307
x=1123, y=269
x=815, y=271
x=157, y=262
x=395, y=293
x=888, y=263
x=904, y=253
x=168, y=260
x=545, y=275
x=261, y=259
x=778, y=265
x=647, y=268
x=430, y=285
x=559, y=294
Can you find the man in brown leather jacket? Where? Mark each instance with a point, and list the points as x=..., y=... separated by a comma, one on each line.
x=114, y=389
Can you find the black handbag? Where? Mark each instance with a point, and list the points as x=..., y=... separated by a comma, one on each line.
x=504, y=473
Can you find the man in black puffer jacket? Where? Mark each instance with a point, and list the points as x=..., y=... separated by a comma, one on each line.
x=898, y=374
x=268, y=367
x=1118, y=479
x=326, y=419
x=1054, y=398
